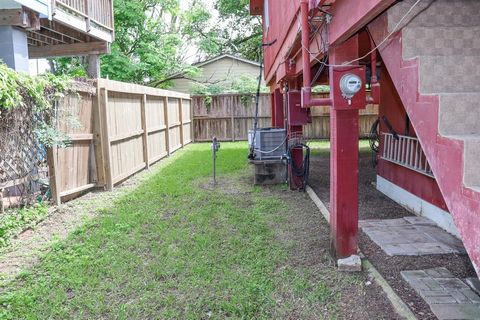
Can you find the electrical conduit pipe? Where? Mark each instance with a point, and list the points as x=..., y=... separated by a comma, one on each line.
x=307, y=100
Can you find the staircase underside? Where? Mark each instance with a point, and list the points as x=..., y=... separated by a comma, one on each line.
x=434, y=63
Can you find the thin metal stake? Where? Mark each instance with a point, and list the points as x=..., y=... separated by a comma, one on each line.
x=215, y=148
x=214, y=166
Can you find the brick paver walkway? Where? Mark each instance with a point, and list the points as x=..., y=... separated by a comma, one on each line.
x=411, y=236
x=447, y=296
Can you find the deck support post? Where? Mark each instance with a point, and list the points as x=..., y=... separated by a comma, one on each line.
x=14, y=44
x=93, y=68
x=343, y=165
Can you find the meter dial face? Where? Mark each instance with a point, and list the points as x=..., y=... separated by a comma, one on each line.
x=350, y=84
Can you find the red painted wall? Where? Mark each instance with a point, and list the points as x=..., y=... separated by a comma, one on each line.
x=420, y=185
x=282, y=15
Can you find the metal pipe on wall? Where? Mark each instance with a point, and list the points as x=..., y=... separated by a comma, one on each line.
x=307, y=100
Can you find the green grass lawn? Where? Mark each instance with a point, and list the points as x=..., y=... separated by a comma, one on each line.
x=325, y=144
x=176, y=247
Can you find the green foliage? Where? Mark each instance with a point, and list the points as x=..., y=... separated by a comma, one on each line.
x=244, y=85
x=15, y=221
x=234, y=30
x=37, y=94
x=148, y=46
x=245, y=31
x=20, y=89
x=10, y=95
x=321, y=89
x=74, y=67
x=247, y=85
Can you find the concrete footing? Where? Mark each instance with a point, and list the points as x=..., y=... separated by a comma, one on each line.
x=350, y=264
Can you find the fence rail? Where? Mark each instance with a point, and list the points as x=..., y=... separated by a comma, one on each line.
x=124, y=129
x=230, y=116
x=407, y=152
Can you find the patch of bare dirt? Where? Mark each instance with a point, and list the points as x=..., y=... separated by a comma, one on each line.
x=358, y=297
x=224, y=185
x=374, y=205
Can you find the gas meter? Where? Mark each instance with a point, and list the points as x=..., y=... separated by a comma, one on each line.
x=348, y=85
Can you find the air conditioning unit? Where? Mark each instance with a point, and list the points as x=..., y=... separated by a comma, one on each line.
x=270, y=144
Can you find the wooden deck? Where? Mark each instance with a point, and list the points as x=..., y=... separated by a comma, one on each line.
x=76, y=27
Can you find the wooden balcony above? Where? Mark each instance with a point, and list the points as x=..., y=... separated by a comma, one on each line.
x=74, y=28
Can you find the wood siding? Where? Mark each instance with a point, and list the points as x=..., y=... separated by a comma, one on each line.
x=223, y=71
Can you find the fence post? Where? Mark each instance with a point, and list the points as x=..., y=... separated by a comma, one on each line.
x=52, y=171
x=167, y=124
x=180, y=108
x=145, y=131
x=192, y=123
x=105, y=137
x=233, y=120
x=97, y=142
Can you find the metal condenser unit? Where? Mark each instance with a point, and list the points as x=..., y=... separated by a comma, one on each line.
x=270, y=143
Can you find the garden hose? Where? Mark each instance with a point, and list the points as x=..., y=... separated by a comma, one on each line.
x=374, y=142
x=304, y=170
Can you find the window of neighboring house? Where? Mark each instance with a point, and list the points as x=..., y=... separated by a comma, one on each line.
x=266, y=15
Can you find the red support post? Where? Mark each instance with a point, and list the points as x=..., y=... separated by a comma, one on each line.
x=296, y=118
x=344, y=182
x=278, y=115
x=343, y=161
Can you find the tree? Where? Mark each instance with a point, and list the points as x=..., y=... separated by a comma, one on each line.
x=155, y=39
x=232, y=31
x=148, y=45
x=246, y=30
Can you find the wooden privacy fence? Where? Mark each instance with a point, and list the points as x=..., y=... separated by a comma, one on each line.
x=124, y=128
x=230, y=116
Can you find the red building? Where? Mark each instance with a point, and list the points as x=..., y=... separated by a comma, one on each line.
x=426, y=57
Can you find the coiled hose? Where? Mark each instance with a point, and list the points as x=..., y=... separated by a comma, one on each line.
x=374, y=141
x=304, y=170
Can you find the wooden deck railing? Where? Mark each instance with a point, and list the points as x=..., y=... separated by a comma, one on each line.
x=99, y=12
x=406, y=152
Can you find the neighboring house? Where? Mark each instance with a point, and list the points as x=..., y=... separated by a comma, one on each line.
x=54, y=28
x=429, y=150
x=221, y=70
